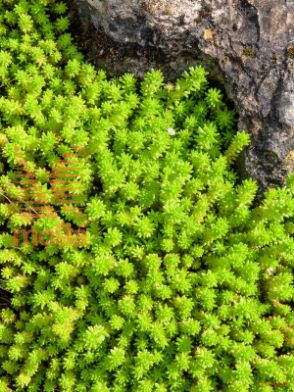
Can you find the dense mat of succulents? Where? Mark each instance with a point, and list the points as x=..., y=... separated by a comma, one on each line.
x=183, y=284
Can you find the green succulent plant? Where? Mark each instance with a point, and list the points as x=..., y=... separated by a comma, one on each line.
x=171, y=278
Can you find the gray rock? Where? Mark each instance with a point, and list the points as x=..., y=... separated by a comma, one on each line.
x=248, y=46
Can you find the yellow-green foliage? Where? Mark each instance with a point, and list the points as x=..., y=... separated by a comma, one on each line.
x=181, y=283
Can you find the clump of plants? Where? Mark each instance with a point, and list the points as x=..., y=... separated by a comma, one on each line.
x=179, y=283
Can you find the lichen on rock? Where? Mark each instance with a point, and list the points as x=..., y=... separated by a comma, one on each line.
x=247, y=45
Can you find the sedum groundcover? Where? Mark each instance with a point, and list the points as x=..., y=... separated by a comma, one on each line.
x=170, y=278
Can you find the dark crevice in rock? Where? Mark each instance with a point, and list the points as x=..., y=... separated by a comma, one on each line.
x=251, y=14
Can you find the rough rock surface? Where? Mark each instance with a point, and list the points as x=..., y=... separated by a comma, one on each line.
x=247, y=44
